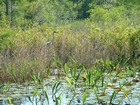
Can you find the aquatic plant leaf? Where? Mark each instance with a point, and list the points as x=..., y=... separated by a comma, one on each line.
x=102, y=81
x=74, y=61
x=109, y=63
x=102, y=62
x=125, y=62
x=66, y=68
x=71, y=72
x=130, y=71
x=46, y=95
x=78, y=75
x=66, y=59
x=60, y=98
x=89, y=77
x=59, y=63
x=53, y=89
x=57, y=84
x=80, y=67
x=48, y=70
x=56, y=101
x=1, y=86
x=72, y=99
x=34, y=92
x=95, y=92
x=84, y=97
x=69, y=81
x=112, y=96
x=74, y=71
x=9, y=101
x=105, y=87
x=30, y=99
x=121, y=86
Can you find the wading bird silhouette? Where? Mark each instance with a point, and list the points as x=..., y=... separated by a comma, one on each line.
x=49, y=43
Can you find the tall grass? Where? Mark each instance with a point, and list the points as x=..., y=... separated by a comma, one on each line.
x=84, y=41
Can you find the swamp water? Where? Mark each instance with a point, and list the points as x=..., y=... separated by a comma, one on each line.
x=112, y=90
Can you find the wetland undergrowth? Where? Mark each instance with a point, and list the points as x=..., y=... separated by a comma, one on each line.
x=92, y=60
x=99, y=85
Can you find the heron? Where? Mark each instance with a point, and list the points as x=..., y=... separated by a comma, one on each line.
x=49, y=43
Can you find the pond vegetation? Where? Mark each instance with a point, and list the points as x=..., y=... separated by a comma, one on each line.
x=92, y=59
x=75, y=85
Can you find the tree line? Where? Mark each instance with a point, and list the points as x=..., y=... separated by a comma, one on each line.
x=24, y=13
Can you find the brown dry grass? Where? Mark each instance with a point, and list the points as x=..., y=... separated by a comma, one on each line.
x=26, y=54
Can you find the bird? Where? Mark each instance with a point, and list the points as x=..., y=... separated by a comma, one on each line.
x=49, y=43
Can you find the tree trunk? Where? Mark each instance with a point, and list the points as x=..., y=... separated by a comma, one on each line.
x=6, y=7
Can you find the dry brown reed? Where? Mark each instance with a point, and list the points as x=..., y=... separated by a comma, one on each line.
x=27, y=55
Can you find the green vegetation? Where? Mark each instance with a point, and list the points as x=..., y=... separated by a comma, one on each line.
x=102, y=83
x=93, y=39
x=108, y=30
